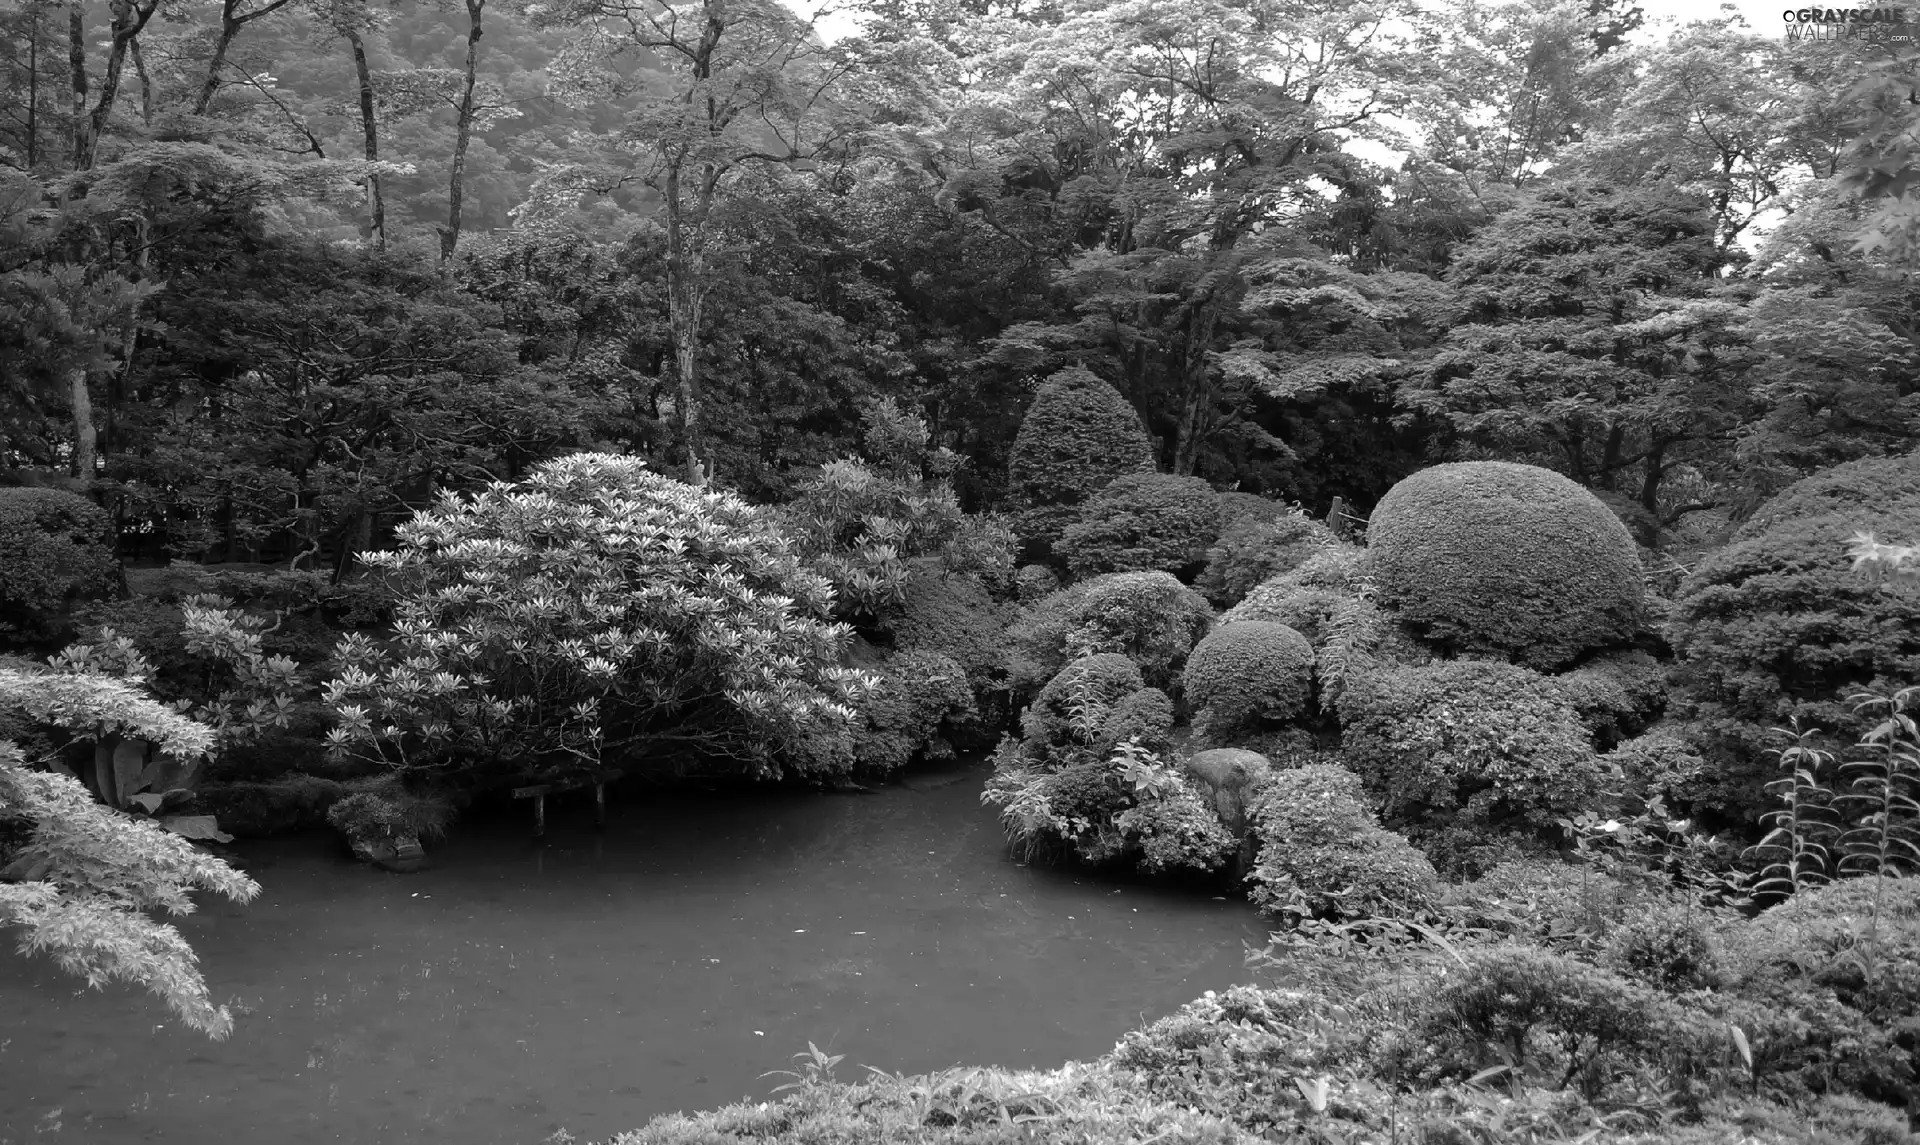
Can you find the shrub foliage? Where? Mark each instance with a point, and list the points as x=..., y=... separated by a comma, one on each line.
x=1481, y=747
x=1257, y=548
x=1141, y=521
x=1494, y=558
x=1250, y=671
x=1149, y=617
x=1776, y=626
x=1322, y=853
x=1078, y=434
x=594, y=610
x=54, y=551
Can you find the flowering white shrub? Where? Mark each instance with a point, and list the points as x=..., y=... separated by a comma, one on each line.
x=594, y=609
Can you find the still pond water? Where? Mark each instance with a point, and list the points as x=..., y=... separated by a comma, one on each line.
x=590, y=983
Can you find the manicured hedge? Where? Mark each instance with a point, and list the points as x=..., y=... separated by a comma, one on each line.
x=1513, y=560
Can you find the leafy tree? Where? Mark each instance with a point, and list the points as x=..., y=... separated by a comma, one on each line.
x=1707, y=111
x=1588, y=338
x=1178, y=132
x=324, y=390
x=1880, y=164
x=744, y=83
x=79, y=880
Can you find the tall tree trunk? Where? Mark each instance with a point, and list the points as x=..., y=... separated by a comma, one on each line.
x=230, y=25
x=463, y=133
x=146, y=83
x=1656, y=463
x=84, y=438
x=1186, y=449
x=77, y=71
x=229, y=28
x=370, y=129
x=129, y=18
x=33, y=91
x=683, y=319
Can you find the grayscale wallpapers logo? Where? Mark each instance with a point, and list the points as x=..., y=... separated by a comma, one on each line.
x=1890, y=25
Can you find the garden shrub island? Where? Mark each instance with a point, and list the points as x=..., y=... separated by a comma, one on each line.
x=1497, y=567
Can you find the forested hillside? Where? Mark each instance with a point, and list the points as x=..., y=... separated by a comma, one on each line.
x=275, y=271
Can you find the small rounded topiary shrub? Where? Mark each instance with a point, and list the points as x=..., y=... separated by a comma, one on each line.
x=1075, y=705
x=55, y=550
x=1250, y=671
x=1253, y=551
x=1149, y=617
x=1513, y=560
x=1145, y=716
x=1321, y=851
x=1777, y=625
x=1032, y=583
x=1471, y=749
x=1078, y=434
x=1142, y=521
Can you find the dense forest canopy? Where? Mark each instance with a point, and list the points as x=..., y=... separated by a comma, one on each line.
x=273, y=273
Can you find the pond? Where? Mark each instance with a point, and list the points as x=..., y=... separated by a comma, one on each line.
x=591, y=982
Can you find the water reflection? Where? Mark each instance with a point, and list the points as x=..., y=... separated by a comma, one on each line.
x=591, y=982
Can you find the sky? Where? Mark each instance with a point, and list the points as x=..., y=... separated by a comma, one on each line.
x=1763, y=15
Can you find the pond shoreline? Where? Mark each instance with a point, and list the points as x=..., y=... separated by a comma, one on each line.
x=593, y=980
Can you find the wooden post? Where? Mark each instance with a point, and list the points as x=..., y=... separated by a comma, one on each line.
x=539, y=792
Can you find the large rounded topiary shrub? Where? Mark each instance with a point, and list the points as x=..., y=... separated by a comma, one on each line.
x=1492, y=557
x=54, y=551
x=1249, y=671
x=1777, y=625
x=1142, y=521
